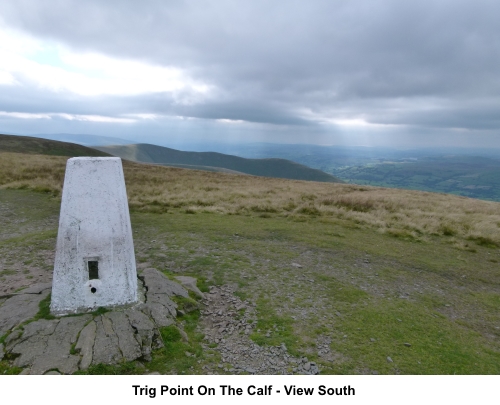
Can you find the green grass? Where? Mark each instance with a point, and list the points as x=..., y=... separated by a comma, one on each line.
x=7, y=369
x=172, y=359
x=44, y=309
x=437, y=344
x=280, y=329
x=127, y=368
x=442, y=345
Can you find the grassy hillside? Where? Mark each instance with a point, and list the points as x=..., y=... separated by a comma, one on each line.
x=359, y=279
x=27, y=144
x=280, y=168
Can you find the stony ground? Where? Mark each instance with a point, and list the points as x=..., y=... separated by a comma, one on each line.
x=227, y=323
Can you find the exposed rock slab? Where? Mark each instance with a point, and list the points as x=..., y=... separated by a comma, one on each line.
x=19, y=309
x=33, y=342
x=37, y=288
x=128, y=344
x=57, y=352
x=164, y=300
x=85, y=344
x=190, y=284
x=106, y=349
x=66, y=344
x=146, y=331
x=158, y=283
x=159, y=313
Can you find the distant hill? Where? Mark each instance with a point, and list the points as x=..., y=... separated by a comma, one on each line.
x=86, y=140
x=28, y=144
x=280, y=168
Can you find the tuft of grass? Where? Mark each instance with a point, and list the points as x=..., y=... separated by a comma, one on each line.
x=186, y=304
x=485, y=241
x=280, y=329
x=6, y=369
x=202, y=284
x=44, y=309
x=100, y=311
x=170, y=334
x=128, y=368
x=178, y=356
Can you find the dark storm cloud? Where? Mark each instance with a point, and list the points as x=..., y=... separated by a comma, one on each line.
x=419, y=63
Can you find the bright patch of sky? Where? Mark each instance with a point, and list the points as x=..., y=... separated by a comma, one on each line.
x=50, y=66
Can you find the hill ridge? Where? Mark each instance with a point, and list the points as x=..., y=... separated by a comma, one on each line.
x=269, y=167
x=41, y=146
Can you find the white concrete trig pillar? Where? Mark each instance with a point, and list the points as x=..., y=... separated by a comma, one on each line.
x=95, y=261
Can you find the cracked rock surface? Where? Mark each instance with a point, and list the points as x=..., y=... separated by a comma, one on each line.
x=68, y=344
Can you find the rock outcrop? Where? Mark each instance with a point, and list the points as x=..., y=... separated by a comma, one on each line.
x=68, y=344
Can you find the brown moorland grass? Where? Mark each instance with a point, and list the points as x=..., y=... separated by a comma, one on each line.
x=401, y=213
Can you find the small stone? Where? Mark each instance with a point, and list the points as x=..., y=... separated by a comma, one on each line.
x=407, y=344
x=389, y=360
x=373, y=340
x=297, y=265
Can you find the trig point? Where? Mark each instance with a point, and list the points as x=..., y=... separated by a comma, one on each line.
x=95, y=261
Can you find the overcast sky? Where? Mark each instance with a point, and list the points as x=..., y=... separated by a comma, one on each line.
x=353, y=72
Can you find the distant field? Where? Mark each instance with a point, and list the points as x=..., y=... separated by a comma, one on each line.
x=476, y=177
x=454, y=171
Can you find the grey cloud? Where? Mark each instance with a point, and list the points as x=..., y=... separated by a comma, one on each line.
x=269, y=60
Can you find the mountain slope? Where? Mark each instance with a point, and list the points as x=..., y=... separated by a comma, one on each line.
x=31, y=145
x=280, y=168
